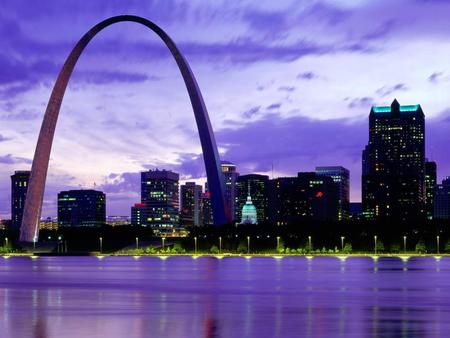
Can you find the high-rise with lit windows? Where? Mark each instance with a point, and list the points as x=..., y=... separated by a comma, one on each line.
x=430, y=185
x=231, y=175
x=393, y=173
x=19, y=187
x=81, y=208
x=191, y=204
x=341, y=177
x=159, y=194
x=442, y=200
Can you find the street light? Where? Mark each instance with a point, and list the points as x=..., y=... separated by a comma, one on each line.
x=101, y=244
x=309, y=243
x=278, y=243
x=220, y=244
x=248, y=244
x=404, y=244
x=375, y=241
x=6, y=241
x=163, y=239
x=195, y=245
x=342, y=243
x=137, y=243
x=437, y=240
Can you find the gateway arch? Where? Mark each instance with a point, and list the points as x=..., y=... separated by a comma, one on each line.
x=35, y=193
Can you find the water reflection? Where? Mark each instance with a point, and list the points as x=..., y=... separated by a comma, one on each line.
x=232, y=297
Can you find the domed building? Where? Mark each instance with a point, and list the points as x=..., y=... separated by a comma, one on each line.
x=249, y=214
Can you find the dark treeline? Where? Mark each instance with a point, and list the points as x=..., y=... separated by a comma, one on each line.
x=262, y=237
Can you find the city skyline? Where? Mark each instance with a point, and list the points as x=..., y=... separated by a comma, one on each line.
x=280, y=100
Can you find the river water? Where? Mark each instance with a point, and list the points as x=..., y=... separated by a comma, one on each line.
x=126, y=297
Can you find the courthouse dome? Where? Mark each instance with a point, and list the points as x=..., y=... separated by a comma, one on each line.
x=249, y=214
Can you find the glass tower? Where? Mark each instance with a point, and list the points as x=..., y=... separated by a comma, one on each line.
x=19, y=187
x=81, y=208
x=191, y=204
x=231, y=176
x=159, y=193
x=393, y=179
x=341, y=177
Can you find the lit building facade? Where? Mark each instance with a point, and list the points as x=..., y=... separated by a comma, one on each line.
x=139, y=215
x=249, y=214
x=159, y=193
x=231, y=176
x=19, y=187
x=340, y=176
x=207, y=214
x=48, y=223
x=442, y=200
x=393, y=179
x=191, y=204
x=81, y=208
x=259, y=189
x=115, y=221
x=307, y=197
x=430, y=186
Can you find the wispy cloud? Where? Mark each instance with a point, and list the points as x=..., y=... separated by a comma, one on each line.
x=10, y=159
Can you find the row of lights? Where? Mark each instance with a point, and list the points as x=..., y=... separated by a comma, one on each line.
x=375, y=238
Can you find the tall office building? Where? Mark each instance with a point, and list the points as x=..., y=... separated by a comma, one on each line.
x=159, y=193
x=207, y=215
x=340, y=176
x=139, y=215
x=191, y=204
x=259, y=191
x=231, y=176
x=81, y=208
x=442, y=200
x=19, y=187
x=307, y=197
x=393, y=179
x=430, y=185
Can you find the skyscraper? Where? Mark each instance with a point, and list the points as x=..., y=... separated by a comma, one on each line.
x=307, y=197
x=207, y=215
x=341, y=177
x=442, y=200
x=231, y=175
x=259, y=191
x=19, y=186
x=430, y=185
x=81, y=208
x=139, y=215
x=393, y=179
x=191, y=204
x=159, y=193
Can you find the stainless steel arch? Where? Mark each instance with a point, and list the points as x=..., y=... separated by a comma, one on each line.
x=33, y=204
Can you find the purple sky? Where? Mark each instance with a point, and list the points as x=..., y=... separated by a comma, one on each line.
x=286, y=83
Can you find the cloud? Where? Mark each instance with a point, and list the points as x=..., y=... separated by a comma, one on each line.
x=388, y=90
x=4, y=138
x=106, y=77
x=360, y=102
x=251, y=112
x=435, y=77
x=286, y=88
x=307, y=76
x=121, y=182
x=274, y=106
x=10, y=159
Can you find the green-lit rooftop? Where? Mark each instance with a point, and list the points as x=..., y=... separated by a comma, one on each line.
x=388, y=109
x=394, y=106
